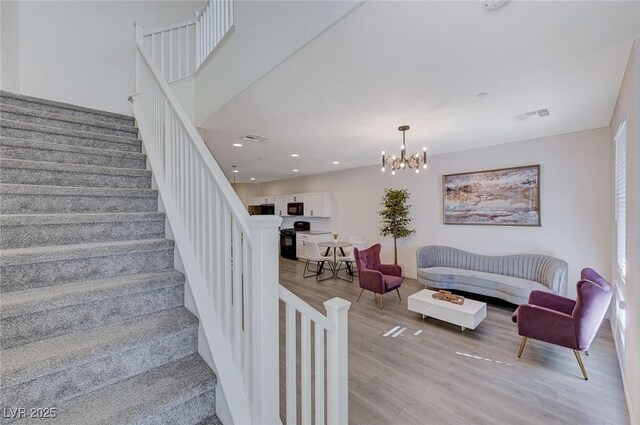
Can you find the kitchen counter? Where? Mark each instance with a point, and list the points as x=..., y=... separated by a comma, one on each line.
x=313, y=232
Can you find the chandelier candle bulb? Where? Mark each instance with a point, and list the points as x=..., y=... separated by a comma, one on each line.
x=406, y=161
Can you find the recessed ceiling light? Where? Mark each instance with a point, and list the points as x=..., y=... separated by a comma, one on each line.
x=336, y=162
x=295, y=171
x=295, y=155
x=238, y=145
x=252, y=178
x=483, y=94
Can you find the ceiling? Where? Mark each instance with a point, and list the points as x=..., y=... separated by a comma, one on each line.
x=342, y=97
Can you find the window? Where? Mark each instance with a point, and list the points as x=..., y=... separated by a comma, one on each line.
x=621, y=198
x=620, y=141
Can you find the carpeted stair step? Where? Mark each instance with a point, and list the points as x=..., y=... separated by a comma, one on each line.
x=179, y=393
x=35, y=103
x=19, y=171
x=30, y=230
x=25, y=268
x=23, y=130
x=35, y=116
x=40, y=313
x=55, y=370
x=32, y=199
x=34, y=150
x=91, y=305
x=211, y=420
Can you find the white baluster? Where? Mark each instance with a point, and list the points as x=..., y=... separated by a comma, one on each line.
x=246, y=312
x=171, y=61
x=139, y=41
x=290, y=364
x=305, y=368
x=318, y=361
x=226, y=311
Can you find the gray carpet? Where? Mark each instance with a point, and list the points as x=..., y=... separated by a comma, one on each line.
x=92, y=311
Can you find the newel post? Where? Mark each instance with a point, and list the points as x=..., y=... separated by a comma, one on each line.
x=139, y=42
x=337, y=362
x=265, y=281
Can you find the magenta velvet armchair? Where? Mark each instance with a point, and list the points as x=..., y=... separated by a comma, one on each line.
x=562, y=321
x=374, y=276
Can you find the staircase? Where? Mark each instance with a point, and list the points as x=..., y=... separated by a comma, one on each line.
x=92, y=311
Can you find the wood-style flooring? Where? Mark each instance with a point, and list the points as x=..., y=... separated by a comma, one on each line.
x=445, y=376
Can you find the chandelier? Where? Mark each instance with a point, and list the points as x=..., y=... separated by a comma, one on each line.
x=413, y=162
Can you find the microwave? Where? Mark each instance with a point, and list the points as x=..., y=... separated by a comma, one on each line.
x=295, y=208
x=264, y=209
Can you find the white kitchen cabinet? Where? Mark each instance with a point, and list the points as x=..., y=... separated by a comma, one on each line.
x=307, y=200
x=317, y=204
x=281, y=205
x=259, y=200
x=301, y=248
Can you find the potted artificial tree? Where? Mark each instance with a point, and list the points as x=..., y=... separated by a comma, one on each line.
x=395, y=217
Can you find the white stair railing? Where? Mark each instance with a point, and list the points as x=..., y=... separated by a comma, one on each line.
x=172, y=49
x=213, y=24
x=333, y=329
x=179, y=50
x=231, y=264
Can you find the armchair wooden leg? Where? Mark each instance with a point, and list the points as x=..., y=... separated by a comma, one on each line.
x=381, y=302
x=584, y=371
x=522, y=344
x=399, y=297
x=361, y=292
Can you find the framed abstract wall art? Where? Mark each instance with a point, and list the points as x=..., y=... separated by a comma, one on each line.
x=507, y=196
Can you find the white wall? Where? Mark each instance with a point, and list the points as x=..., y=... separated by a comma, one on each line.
x=184, y=91
x=267, y=32
x=576, y=196
x=82, y=52
x=9, y=46
x=627, y=108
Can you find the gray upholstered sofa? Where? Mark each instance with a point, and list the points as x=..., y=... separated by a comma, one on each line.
x=509, y=277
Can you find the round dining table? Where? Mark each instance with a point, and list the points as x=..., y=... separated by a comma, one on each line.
x=335, y=245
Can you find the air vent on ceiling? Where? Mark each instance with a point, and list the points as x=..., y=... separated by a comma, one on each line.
x=532, y=115
x=254, y=138
x=490, y=5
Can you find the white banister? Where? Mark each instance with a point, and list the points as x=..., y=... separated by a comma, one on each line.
x=231, y=264
x=179, y=50
x=265, y=335
x=333, y=328
x=172, y=49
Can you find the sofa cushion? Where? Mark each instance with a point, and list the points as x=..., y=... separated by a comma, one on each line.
x=518, y=287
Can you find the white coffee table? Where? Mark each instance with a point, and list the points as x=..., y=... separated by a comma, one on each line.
x=469, y=315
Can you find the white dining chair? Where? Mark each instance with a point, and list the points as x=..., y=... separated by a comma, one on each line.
x=347, y=260
x=314, y=256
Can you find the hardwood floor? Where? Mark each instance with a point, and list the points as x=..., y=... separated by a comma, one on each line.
x=445, y=376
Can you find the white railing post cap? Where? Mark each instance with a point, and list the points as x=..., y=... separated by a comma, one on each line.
x=265, y=221
x=337, y=304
